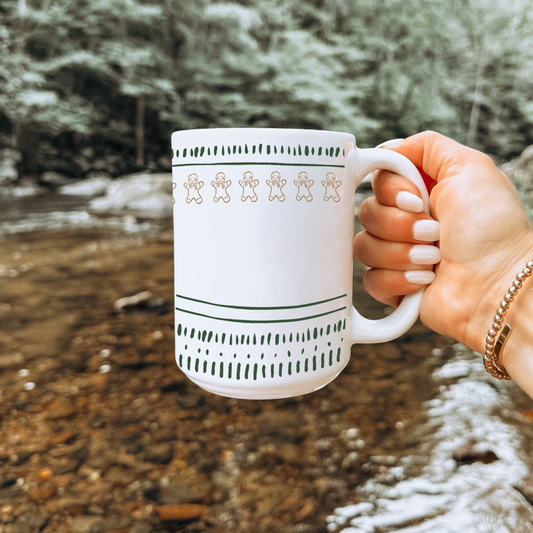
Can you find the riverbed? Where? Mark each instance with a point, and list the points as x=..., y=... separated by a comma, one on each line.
x=100, y=431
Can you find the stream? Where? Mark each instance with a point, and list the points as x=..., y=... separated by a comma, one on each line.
x=101, y=432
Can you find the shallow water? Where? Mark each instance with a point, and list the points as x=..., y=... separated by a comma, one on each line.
x=55, y=212
x=413, y=436
x=476, y=476
x=71, y=366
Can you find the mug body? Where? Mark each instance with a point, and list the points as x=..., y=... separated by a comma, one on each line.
x=263, y=228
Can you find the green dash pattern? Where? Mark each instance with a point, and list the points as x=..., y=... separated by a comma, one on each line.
x=288, y=349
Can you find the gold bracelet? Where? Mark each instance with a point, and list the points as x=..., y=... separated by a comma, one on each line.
x=493, y=346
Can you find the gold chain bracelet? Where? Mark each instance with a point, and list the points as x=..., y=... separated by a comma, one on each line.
x=493, y=346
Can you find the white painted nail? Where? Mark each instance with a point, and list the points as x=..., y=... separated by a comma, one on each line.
x=391, y=142
x=424, y=254
x=420, y=277
x=409, y=202
x=426, y=230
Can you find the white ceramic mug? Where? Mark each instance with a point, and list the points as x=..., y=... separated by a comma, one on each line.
x=263, y=229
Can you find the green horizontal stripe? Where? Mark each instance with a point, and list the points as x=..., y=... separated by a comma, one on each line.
x=257, y=163
x=242, y=321
x=261, y=308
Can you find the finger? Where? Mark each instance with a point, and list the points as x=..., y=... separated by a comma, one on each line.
x=393, y=224
x=379, y=253
x=439, y=156
x=445, y=159
x=388, y=286
x=396, y=191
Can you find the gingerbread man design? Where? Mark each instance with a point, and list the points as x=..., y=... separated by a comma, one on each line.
x=221, y=185
x=331, y=186
x=248, y=183
x=193, y=187
x=304, y=184
x=276, y=186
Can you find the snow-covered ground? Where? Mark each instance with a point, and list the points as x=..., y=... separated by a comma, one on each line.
x=473, y=479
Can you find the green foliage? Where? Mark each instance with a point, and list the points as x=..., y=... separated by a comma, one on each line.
x=118, y=76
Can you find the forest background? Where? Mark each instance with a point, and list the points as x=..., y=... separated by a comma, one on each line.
x=99, y=85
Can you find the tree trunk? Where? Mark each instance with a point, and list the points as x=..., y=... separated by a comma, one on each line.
x=473, y=125
x=23, y=8
x=24, y=142
x=139, y=131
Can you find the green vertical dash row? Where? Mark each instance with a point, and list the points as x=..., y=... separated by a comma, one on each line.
x=208, y=336
x=200, y=151
x=253, y=371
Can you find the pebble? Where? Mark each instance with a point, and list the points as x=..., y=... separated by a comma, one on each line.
x=144, y=299
x=117, y=476
x=32, y=520
x=100, y=459
x=11, y=360
x=104, y=369
x=181, y=512
x=290, y=453
x=178, y=493
x=307, y=510
x=44, y=474
x=323, y=445
x=87, y=524
x=62, y=437
x=42, y=494
x=351, y=433
x=223, y=480
x=279, y=422
x=65, y=465
x=350, y=461
x=160, y=453
x=141, y=527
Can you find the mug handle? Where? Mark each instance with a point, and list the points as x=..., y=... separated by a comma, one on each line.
x=360, y=162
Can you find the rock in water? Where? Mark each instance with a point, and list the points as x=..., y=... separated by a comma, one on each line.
x=94, y=186
x=142, y=299
x=142, y=195
x=54, y=178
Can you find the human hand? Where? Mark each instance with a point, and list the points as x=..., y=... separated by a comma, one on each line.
x=485, y=237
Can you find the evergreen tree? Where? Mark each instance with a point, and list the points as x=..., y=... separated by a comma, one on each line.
x=101, y=84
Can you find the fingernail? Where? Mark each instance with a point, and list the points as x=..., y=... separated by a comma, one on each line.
x=420, y=277
x=388, y=144
x=424, y=254
x=426, y=230
x=409, y=202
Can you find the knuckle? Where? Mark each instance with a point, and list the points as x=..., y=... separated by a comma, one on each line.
x=359, y=245
x=370, y=283
x=391, y=223
x=365, y=212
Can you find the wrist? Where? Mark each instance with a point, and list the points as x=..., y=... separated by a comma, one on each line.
x=509, y=347
x=517, y=356
x=505, y=270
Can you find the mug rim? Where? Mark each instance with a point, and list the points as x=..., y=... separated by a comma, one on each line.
x=249, y=133
x=252, y=128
